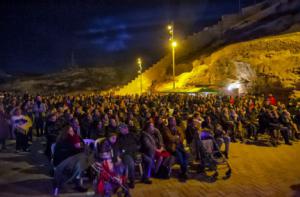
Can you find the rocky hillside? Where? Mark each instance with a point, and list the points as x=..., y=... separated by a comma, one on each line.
x=201, y=57
x=67, y=81
x=4, y=76
x=260, y=66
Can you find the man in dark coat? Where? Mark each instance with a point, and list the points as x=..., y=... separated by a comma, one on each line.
x=4, y=127
x=152, y=148
x=148, y=149
x=52, y=129
x=128, y=144
x=39, y=110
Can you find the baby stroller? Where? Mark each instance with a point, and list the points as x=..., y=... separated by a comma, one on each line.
x=110, y=180
x=210, y=156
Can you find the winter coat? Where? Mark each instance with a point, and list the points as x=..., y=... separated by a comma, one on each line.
x=4, y=126
x=128, y=144
x=172, y=138
x=148, y=144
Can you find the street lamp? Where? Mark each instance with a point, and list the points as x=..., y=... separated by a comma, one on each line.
x=139, y=61
x=171, y=32
x=174, y=45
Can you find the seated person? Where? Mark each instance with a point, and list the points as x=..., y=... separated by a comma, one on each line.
x=275, y=124
x=112, y=173
x=66, y=153
x=128, y=144
x=97, y=130
x=191, y=130
x=173, y=138
x=209, y=131
x=263, y=121
x=112, y=127
x=192, y=134
x=227, y=124
x=153, y=148
x=68, y=144
x=251, y=123
x=288, y=123
x=297, y=118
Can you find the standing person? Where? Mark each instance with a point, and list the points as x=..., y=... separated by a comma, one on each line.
x=20, y=126
x=52, y=130
x=39, y=110
x=231, y=100
x=271, y=100
x=10, y=110
x=28, y=107
x=4, y=127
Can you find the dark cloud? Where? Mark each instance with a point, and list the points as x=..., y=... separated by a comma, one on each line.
x=40, y=36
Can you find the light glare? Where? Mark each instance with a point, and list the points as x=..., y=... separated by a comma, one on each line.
x=174, y=44
x=233, y=86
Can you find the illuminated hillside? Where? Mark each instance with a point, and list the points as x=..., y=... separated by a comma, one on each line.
x=210, y=57
x=260, y=65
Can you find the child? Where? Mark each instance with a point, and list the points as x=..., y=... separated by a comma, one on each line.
x=112, y=173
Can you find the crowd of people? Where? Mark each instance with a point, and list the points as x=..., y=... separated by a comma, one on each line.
x=155, y=131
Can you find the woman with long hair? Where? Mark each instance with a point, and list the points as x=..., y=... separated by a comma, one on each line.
x=68, y=155
x=68, y=143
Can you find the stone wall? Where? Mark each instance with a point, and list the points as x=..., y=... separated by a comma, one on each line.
x=210, y=37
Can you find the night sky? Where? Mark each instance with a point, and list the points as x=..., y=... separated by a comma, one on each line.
x=40, y=36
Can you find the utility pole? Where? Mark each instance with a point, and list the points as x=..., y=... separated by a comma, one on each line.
x=173, y=45
x=139, y=61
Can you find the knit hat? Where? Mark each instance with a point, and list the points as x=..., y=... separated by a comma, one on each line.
x=122, y=126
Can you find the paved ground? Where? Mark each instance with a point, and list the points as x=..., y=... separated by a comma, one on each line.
x=257, y=171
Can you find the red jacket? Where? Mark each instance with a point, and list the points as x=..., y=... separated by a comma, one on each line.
x=231, y=100
x=272, y=100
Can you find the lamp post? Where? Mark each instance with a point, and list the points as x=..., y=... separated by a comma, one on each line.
x=173, y=45
x=139, y=61
x=171, y=31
